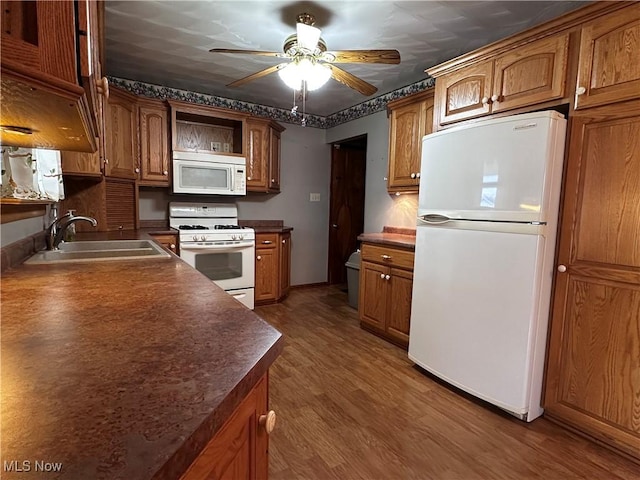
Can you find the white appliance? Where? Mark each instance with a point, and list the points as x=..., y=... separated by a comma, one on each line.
x=206, y=173
x=484, y=260
x=212, y=242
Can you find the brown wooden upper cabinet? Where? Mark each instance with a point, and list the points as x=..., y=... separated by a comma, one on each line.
x=153, y=118
x=609, y=65
x=263, y=155
x=44, y=47
x=411, y=118
x=532, y=73
x=121, y=136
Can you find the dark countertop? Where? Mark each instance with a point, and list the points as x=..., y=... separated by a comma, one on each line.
x=121, y=369
x=394, y=236
x=266, y=226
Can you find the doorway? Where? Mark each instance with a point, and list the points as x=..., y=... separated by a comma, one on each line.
x=346, y=205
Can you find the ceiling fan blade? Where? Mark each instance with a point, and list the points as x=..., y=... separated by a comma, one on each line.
x=249, y=52
x=255, y=76
x=352, y=81
x=366, y=56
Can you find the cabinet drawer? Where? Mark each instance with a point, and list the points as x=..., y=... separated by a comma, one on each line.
x=388, y=255
x=266, y=240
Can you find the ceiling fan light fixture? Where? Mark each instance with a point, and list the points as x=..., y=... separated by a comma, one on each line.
x=307, y=36
x=307, y=70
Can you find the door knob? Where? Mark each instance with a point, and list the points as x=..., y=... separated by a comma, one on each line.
x=494, y=98
x=165, y=173
x=413, y=175
x=387, y=277
x=258, y=257
x=335, y=225
x=417, y=175
x=562, y=268
x=581, y=90
x=268, y=421
x=485, y=100
x=382, y=276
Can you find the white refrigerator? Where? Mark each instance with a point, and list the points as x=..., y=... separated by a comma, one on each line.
x=484, y=260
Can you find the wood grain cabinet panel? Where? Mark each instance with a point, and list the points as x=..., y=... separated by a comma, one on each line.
x=386, y=284
x=532, y=74
x=154, y=144
x=239, y=451
x=593, y=366
x=411, y=118
x=263, y=156
x=273, y=267
x=121, y=136
x=465, y=93
x=608, y=66
x=81, y=164
x=258, y=151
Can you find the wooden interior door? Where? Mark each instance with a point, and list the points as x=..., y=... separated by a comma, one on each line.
x=593, y=369
x=346, y=210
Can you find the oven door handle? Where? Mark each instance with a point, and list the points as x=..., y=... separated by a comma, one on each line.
x=186, y=246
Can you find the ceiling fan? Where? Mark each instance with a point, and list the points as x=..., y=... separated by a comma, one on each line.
x=311, y=64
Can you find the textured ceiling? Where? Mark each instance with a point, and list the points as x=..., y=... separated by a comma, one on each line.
x=167, y=43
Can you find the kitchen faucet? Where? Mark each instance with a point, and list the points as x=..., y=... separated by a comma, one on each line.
x=56, y=230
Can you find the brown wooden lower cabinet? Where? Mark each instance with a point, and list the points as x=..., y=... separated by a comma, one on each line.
x=386, y=283
x=593, y=360
x=273, y=267
x=168, y=241
x=240, y=448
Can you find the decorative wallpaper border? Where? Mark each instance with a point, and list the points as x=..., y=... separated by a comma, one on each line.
x=279, y=114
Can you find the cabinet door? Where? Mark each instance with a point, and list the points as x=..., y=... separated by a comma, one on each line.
x=285, y=264
x=239, y=449
x=608, y=66
x=267, y=267
x=81, y=164
x=40, y=37
x=372, y=304
x=464, y=94
x=406, y=127
x=531, y=74
x=593, y=364
x=399, y=312
x=168, y=241
x=258, y=152
x=274, y=161
x=122, y=134
x=154, y=145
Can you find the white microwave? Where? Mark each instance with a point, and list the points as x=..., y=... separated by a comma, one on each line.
x=209, y=174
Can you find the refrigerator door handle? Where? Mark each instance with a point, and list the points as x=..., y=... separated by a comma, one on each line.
x=434, y=219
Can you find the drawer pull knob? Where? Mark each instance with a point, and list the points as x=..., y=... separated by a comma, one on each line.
x=267, y=242
x=258, y=257
x=268, y=421
x=172, y=246
x=386, y=257
x=382, y=276
x=387, y=277
x=413, y=175
x=581, y=90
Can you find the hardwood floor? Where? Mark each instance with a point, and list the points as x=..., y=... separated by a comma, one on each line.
x=352, y=406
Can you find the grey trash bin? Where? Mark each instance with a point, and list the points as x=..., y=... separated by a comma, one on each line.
x=353, y=278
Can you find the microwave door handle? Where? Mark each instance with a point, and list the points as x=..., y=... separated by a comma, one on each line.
x=233, y=179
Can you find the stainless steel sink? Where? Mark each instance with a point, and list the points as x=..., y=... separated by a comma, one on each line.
x=100, y=251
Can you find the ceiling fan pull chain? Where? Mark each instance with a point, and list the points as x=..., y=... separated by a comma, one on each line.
x=304, y=103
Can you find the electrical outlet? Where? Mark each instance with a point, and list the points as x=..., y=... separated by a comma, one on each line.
x=226, y=148
x=216, y=146
x=314, y=197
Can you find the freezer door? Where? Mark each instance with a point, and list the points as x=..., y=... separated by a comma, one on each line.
x=475, y=315
x=506, y=169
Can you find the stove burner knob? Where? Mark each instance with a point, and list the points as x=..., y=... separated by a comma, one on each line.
x=203, y=238
x=240, y=237
x=234, y=237
x=195, y=238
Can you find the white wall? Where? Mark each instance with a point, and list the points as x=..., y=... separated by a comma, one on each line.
x=380, y=208
x=305, y=168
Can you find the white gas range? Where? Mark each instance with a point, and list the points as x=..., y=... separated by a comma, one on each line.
x=212, y=242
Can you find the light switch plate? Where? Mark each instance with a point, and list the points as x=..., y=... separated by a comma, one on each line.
x=314, y=197
x=216, y=146
x=226, y=148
